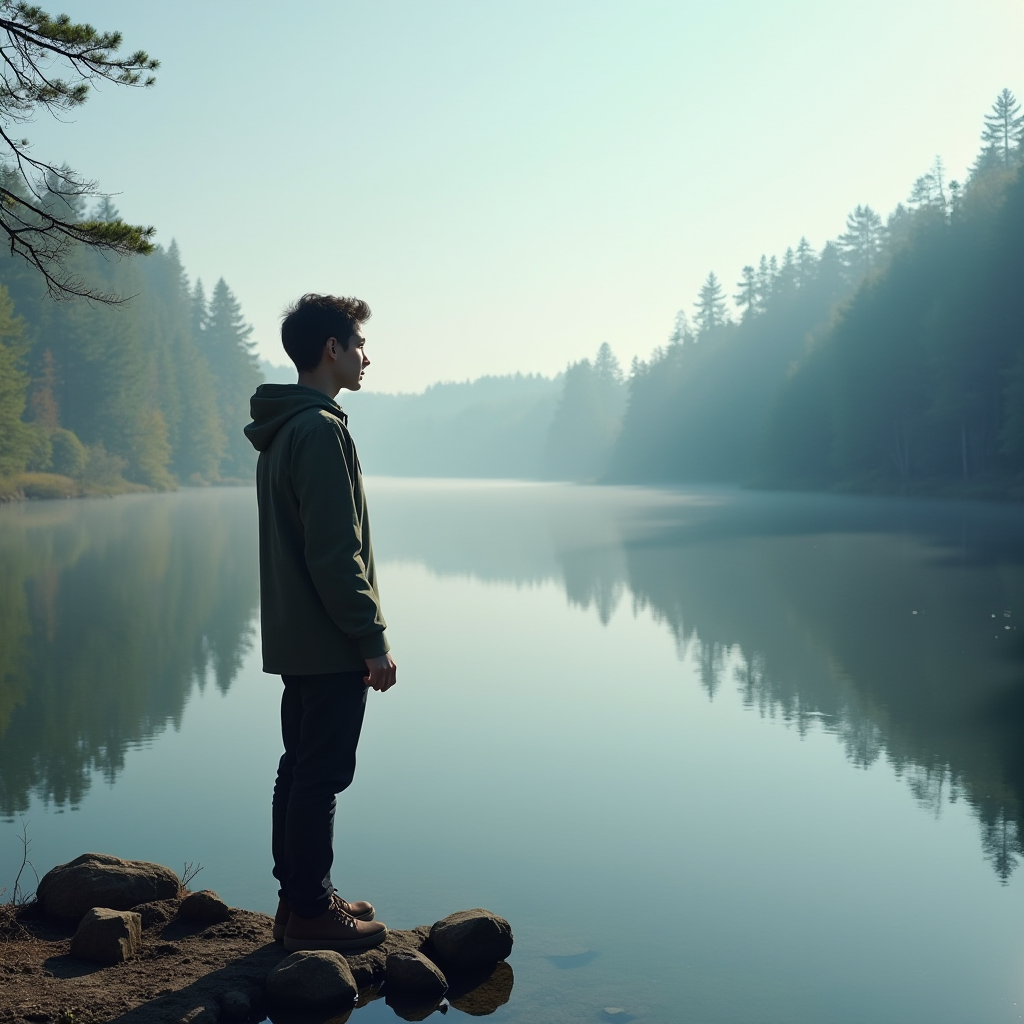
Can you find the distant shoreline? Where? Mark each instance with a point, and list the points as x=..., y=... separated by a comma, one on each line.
x=54, y=487
x=51, y=487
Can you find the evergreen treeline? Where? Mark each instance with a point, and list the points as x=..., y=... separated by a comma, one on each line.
x=891, y=358
x=97, y=397
x=587, y=420
x=490, y=427
x=920, y=379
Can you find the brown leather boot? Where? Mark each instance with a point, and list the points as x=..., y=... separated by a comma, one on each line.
x=336, y=929
x=360, y=910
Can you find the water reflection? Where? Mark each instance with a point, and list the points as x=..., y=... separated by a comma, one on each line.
x=477, y=993
x=893, y=625
x=110, y=613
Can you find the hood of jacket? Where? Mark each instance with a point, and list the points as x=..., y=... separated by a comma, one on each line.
x=274, y=405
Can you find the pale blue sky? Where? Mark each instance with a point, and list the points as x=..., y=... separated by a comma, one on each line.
x=509, y=183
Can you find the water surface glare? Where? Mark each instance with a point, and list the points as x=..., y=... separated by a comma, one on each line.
x=719, y=757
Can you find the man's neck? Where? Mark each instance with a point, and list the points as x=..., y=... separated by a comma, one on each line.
x=319, y=381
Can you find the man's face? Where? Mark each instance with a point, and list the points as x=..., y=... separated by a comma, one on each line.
x=351, y=362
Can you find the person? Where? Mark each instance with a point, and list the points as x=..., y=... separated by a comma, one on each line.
x=322, y=627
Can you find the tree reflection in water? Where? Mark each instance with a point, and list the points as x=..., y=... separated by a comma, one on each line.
x=881, y=621
x=110, y=613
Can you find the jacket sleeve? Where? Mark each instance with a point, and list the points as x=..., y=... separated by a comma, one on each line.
x=324, y=477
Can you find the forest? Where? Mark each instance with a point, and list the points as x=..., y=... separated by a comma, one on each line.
x=142, y=393
x=890, y=360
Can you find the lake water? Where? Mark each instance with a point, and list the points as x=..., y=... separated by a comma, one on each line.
x=718, y=756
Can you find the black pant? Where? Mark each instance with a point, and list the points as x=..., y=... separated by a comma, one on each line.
x=321, y=717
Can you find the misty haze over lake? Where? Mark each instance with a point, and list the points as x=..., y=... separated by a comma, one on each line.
x=784, y=729
x=693, y=419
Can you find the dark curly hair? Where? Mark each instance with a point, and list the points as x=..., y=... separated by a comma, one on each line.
x=308, y=323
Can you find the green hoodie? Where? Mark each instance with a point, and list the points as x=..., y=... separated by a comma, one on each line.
x=318, y=589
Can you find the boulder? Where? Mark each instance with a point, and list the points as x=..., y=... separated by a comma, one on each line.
x=204, y=907
x=412, y=975
x=368, y=968
x=471, y=938
x=156, y=915
x=107, y=936
x=479, y=993
x=99, y=880
x=313, y=979
x=235, y=1005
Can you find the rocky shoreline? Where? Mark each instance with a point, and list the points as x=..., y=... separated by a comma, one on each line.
x=71, y=957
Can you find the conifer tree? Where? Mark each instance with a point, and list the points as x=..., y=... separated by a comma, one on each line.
x=236, y=373
x=43, y=407
x=682, y=332
x=588, y=418
x=1004, y=128
x=15, y=443
x=51, y=64
x=187, y=391
x=785, y=279
x=607, y=369
x=106, y=211
x=710, y=306
x=861, y=244
x=930, y=188
x=747, y=298
x=764, y=281
x=806, y=258
x=199, y=312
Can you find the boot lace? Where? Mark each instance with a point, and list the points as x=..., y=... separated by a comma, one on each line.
x=342, y=911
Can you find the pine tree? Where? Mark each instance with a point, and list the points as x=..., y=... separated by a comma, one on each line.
x=236, y=373
x=588, y=418
x=765, y=279
x=786, y=278
x=45, y=226
x=806, y=260
x=607, y=368
x=43, y=407
x=682, y=332
x=199, y=312
x=930, y=188
x=106, y=211
x=15, y=440
x=746, y=298
x=861, y=244
x=710, y=306
x=1004, y=128
x=187, y=394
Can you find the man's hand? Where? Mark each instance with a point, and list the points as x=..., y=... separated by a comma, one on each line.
x=381, y=673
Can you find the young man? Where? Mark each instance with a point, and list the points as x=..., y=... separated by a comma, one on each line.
x=323, y=631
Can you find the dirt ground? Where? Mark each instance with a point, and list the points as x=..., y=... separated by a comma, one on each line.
x=181, y=973
x=179, y=969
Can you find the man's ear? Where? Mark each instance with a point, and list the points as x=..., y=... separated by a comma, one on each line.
x=331, y=347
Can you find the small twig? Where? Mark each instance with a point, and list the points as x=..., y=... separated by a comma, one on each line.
x=18, y=896
x=189, y=872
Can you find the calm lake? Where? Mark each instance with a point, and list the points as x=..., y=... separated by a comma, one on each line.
x=718, y=756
